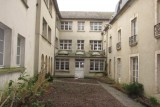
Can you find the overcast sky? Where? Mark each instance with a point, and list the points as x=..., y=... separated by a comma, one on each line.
x=87, y=5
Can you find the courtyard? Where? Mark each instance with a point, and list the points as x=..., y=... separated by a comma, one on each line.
x=71, y=92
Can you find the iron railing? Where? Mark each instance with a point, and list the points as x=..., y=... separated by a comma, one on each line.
x=118, y=45
x=133, y=40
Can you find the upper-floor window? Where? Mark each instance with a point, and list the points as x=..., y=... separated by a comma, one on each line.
x=96, y=26
x=49, y=34
x=80, y=26
x=65, y=44
x=66, y=25
x=119, y=35
x=96, y=44
x=134, y=27
x=1, y=47
x=80, y=44
x=49, y=5
x=44, y=28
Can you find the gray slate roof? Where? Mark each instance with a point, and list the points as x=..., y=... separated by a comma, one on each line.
x=86, y=15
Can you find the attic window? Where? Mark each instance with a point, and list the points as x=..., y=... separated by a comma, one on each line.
x=96, y=54
x=79, y=53
x=63, y=53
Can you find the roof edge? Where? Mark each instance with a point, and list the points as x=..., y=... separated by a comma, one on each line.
x=56, y=7
x=128, y=3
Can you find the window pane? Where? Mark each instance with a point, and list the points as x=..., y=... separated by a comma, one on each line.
x=18, y=50
x=1, y=46
x=1, y=59
x=18, y=59
x=1, y=34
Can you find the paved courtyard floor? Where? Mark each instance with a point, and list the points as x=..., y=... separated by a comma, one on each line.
x=85, y=93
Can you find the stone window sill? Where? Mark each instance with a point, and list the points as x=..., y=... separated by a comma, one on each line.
x=11, y=70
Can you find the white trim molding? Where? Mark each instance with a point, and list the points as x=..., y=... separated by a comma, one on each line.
x=156, y=71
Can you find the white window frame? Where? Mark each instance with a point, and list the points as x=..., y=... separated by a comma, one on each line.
x=119, y=35
x=66, y=44
x=81, y=26
x=44, y=28
x=3, y=47
x=156, y=70
x=97, y=65
x=96, y=45
x=134, y=78
x=66, y=25
x=18, y=55
x=96, y=26
x=59, y=64
x=134, y=26
x=80, y=44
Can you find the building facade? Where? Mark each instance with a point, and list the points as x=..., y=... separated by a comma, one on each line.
x=81, y=51
x=17, y=38
x=134, y=44
x=27, y=37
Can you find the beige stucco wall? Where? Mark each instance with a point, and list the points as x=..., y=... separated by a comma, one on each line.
x=145, y=49
x=44, y=47
x=19, y=20
x=85, y=35
x=71, y=72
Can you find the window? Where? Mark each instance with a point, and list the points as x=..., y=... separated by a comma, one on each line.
x=96, y=64
x=47, y=3
x=80, y=44
x=20, y=50
x=119, y=35
x=50, y=7
x=49, y=34
x=65, y=44
x=134, y=69
x=80, y=26
x=44, y=32
x=66, y=25
x=110, y=67
x=96, y=45
x=133, y=27
x=96, y=26
x=5, y=45
x=62, y=64
x=1, y=47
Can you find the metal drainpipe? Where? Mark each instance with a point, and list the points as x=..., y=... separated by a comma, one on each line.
x=114, y=69
x=54, y=45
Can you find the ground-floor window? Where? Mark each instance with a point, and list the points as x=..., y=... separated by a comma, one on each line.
x=134, y=69
x=96, y=64
x=62, y=64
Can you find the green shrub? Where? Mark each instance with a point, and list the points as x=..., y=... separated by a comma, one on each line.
x=49, y=77
x=134, y=89
x=153, y=101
